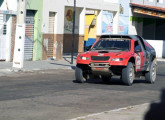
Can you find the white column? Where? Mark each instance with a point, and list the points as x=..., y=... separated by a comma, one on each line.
x=99, y=23
x=8, y=37
x=132, y=24
x=82, y=22
x=20, y=35
x=116, y=23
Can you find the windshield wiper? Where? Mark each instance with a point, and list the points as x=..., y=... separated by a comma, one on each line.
x=116, y=48
x=97, y=48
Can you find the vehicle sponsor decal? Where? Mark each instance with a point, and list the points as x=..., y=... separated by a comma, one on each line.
x=100, y=54
x=138, y=62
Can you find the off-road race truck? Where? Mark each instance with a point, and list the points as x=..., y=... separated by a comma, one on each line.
x=127, y=56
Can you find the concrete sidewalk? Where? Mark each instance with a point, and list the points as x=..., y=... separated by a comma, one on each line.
x=30, y=66
x=42, y=64
x=136, y=112
x=46, y=64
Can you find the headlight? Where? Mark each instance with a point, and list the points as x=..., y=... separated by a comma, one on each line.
x=84, y=58
x=117, y=59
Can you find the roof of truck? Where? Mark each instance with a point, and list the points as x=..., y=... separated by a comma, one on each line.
x=135, y=37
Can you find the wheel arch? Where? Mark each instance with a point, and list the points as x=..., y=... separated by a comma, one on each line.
x=131, y=59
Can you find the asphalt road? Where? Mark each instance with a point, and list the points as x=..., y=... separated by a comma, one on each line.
x=54, y=95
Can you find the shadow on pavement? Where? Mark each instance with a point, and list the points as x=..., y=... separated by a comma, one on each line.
x=141, y=81
x=99, y=81
x=160, y=75
x=157, y=110
x=113, y=81
x=69, y=61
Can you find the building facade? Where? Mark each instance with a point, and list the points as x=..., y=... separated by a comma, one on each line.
x=49, y=25
x=147, y=19
x=57, y=24
x=8, y=10
x=33, y=30
x=33, y=33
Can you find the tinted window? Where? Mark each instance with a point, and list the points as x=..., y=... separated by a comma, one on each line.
x=148, y=46
x=112, y=45
x=142, y=42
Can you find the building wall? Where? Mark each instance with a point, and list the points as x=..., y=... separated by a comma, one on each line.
x=8, y=5
x=8, y=8
x=151, y=3
x=161, y=4
x=107, y=22
x=137, y=1
x=124, y=17
x=37, y=5
x=57, y=7
x=149, y=27
x=14, y=20
x=63, y=39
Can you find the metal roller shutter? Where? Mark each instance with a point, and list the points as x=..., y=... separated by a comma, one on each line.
x=29, y=36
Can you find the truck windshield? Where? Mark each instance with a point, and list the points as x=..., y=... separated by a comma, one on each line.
x=123, y=45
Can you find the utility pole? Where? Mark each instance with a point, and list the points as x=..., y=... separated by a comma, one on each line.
x=73, y=30
x=20, y=35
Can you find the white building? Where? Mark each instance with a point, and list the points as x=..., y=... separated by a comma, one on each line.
x=148, y=20
x=57, y=24
x=8, y=10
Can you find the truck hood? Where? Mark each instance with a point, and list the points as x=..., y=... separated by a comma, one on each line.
x=105, y=53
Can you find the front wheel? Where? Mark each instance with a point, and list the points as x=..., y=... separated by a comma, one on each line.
x=151, y=75
x=128, y=74
x=80, y=77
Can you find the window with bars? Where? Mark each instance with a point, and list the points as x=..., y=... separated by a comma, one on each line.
x=51, y=22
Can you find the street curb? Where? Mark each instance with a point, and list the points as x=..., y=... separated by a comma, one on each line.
x=106, y=112
x=10, y=72
x=5, y=70
x=37, y=69
x=160, y=60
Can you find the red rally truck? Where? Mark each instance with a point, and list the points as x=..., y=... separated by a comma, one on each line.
x=127, y=56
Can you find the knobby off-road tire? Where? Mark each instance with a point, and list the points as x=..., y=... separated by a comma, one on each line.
x=105, y=79
x=128, y=74
x=80, y=77
x=150, y=76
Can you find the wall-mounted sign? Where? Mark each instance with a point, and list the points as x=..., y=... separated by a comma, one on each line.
x=90, y=12
x=11, y=12
x=107, y=22
x=123, y=17
x=68, y=20
x=69, y=15
x=149, y=12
